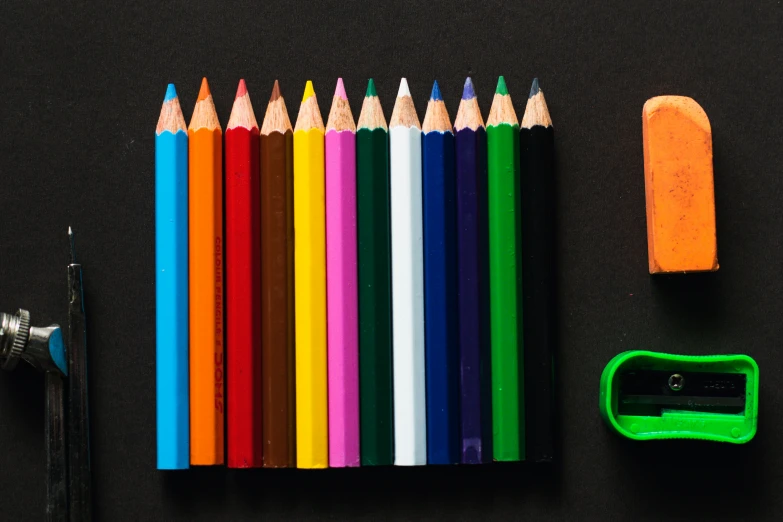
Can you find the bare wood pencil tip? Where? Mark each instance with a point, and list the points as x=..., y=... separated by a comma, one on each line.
x=536, y=110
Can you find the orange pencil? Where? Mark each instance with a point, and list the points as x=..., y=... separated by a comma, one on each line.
x=205, y=187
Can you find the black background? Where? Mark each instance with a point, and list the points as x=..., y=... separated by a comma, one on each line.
x=81, y=86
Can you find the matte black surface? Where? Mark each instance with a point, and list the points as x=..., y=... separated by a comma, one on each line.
x=80, y=93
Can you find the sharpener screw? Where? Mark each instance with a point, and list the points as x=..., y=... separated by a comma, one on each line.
x=676, y=382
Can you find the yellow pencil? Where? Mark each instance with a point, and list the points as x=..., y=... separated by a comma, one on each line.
x=312, y=449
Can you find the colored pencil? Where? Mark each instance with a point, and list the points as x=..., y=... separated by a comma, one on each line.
x=440, y=283
x=410, y=428
x=536, y=139
x=341, y=300
x=473, y=280
x=78, y=423
x=505, y=310
x=243, y=285
x=374, y=262
x=171, y=285
x=310, y=285
x=206, y=281
x=277, y=285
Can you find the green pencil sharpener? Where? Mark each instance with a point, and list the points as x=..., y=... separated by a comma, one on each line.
x=653, y=396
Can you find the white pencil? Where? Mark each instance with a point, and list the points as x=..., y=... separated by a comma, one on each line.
x=410, y=421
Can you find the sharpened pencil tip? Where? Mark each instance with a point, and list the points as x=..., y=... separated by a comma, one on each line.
x=534, y=88
x=171, y=93
x=309, y=91
x=204, y=91
x=370, y=89
x=241, y=90
x=339, y=91
x=501, y=88
x=436, y=96
x=404, y=90
x=275, y=92
x=468, y=93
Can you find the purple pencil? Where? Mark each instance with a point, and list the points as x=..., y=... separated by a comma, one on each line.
x=341, y=290
x=473, y=280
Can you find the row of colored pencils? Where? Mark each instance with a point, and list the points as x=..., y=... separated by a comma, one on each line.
x=372, y=283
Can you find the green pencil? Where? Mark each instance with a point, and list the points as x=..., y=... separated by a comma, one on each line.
x=504, y=266
x=376, y=408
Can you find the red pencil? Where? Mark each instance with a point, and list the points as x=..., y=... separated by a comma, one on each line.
x=243, y=284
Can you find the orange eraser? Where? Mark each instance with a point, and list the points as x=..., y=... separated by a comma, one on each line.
x=679, y=186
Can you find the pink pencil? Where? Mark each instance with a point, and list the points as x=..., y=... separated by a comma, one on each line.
x=341, y=291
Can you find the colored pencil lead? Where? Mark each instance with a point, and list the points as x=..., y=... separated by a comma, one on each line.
x=275, y=92
x=309, y=91
x=436, y=92
x=339, y=91
x=241, y=89
x=501, y=88
x=468, y=92
x=371, y=88
x=171, y=93
x=204, y=91
x=534, y=88
x=403, y=90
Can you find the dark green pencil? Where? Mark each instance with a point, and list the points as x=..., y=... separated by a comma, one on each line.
x=374, y=260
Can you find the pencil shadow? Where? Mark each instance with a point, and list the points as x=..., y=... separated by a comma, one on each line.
x=93, y=412
x=195, y=490
x=387, y=491
x=675, y=476
x=24, y=397
x=690, y=299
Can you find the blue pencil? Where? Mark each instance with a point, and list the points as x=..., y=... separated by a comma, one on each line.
x=473, y=280
x=171, y=284
x=440, y=284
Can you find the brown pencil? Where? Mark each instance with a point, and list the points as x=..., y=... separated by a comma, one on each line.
x=277, y=285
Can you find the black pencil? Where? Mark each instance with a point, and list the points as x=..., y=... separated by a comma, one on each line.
x=538, y=228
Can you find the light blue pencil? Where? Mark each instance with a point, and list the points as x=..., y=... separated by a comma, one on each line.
x=171, y=288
